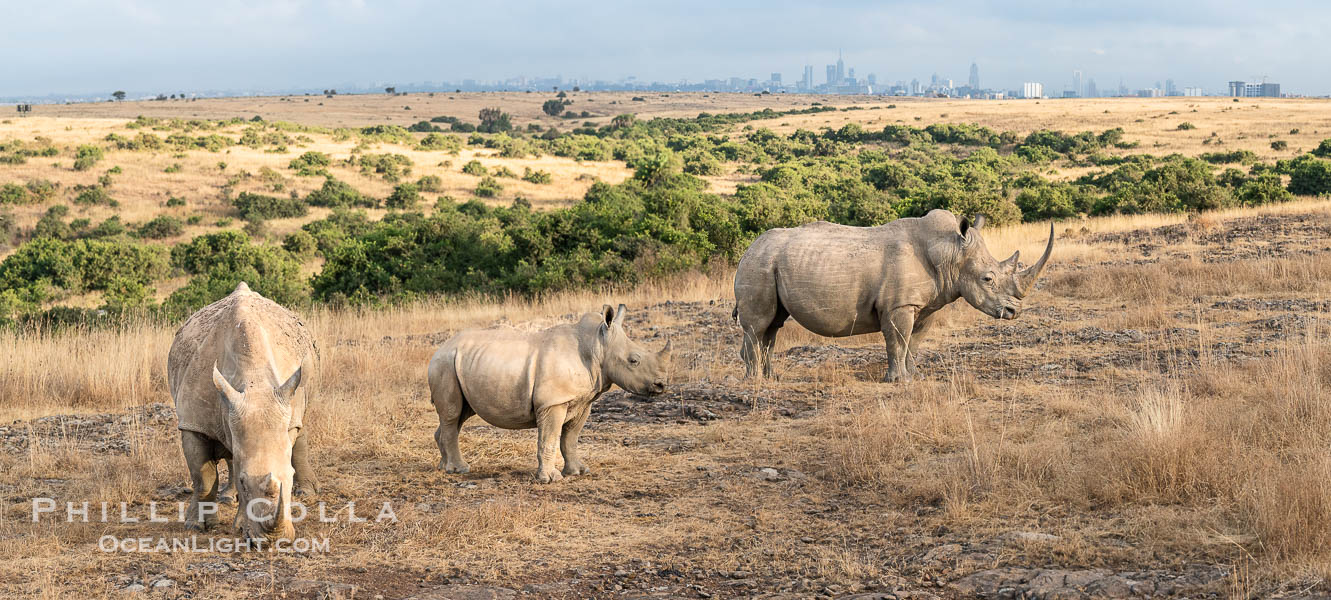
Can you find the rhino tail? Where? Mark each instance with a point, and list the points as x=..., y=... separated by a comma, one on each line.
x=734, y=313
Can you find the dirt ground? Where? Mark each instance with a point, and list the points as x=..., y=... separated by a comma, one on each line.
x=1014, y=469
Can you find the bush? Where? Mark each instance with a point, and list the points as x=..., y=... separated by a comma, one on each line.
x=536, y=176
x=441, y=142
x=257, y=207
x=311, y=163
x=488, y=187
x=1323, y=149
x=335, y=194
x=163, y=226
x=1311, y=177
x=111, y=227
x=220, y=261
x=94, y=196
x=502, y=171
x=13, y=193
x=300, y=244
x=1266, y=188
x=393, y=167
x=404, y=197
x=430, y=183
x=700, y=162
x=175, y=201
x=553, y=107
x=1280, y=145
x=85, y=156
x=1184, y=126
x=494, y=120
x=474, y=167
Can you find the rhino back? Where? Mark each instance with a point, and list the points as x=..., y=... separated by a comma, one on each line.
x=837, y=280
x=243, y=333
x=506, y=374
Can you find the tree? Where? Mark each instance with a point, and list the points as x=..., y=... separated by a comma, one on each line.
x=553, y=107
x=118, y=95
x=622, y=121
x=494, y=120
x=390, y=90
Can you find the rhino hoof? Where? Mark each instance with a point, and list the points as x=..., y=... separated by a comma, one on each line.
x=462, y=468
x=226, y=499
x=576, y=469
x=549, y=476
x=199, y=526
x=302, y=491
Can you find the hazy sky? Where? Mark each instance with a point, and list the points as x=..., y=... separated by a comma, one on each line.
x=71, y=46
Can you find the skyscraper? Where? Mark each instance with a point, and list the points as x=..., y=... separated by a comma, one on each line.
x=840, y=68
x=1170, y=90
x=832, y=78
x=1076, y=84
x=807, y=81
x=1091, y=92
x=974, y=81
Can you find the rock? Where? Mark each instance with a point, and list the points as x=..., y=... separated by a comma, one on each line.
x=1029, y=536
x=135, y=588
x=163, y=584
x=466, y=592
x=770, y=474
x=946, y=552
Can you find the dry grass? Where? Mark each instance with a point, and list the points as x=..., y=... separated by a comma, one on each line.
x=1202, y=440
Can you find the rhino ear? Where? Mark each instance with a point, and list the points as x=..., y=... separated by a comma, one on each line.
x=609, y=312
x=229, y=394
x=285, y=392
x=619, y=316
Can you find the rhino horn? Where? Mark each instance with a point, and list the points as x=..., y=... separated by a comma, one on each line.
x=666, y=351
x=1012, y=261
x=1026, y=278
x=280, y=515
x=229, y=393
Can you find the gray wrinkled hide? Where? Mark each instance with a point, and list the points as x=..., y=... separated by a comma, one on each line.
x=838, y=281
x=546, y=379
x=239, y=371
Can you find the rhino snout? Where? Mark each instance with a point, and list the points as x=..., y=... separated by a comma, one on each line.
x=658, y=387
x=1008, y=312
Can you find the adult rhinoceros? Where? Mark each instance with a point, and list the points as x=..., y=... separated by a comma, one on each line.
x=239, y=371
x=838, y=281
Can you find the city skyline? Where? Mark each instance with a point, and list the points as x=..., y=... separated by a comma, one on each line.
x=164, y=47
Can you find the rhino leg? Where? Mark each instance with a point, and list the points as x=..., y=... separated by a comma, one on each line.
x=200, y=456
x=760, y=318
x=549, y=424
x=305, y=481
x=922, y=324
x=568, y=442
x=453, y=410
x=897, y=328
x=227, y=495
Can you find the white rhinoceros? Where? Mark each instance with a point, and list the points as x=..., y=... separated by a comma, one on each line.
x=546, y=379
x=239, y=371
x=839, y=281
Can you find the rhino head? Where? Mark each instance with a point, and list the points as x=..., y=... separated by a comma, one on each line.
x=628, y=364
x=993, y=287
x=261, y=454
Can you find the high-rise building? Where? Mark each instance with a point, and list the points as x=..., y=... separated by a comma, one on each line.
x=872, y=79
x=840, y=68
x=915, y=87
x=807, y=81
x=850, y=73
x=1032, y=89
x=1077, y=90
x=776, y=78
x=1192, y=91
x=974, y=81
x=1170, y=90
x=1091, y=92
x=1245, y=89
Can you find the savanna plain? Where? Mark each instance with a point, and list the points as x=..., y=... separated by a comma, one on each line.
x=1155, y=423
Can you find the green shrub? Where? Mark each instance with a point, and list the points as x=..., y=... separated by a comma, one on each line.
x=404, y=197
x=300, y=244
x=218, y=262
x=257, y=207
x=536, y=176
x=163, y=226
x=1323, y=149
x=1184, y=126
x=441, y=142
x=311, y=163
x=474, y=167
x=175, y=201
x=1266, y=188
x=94, y=196
x=488, y=187
x=13, y=193
x=1311, y=177
x=335, y=194
x=430, y=183
x=393, y=167
x=85, y=156
x=1280, y=145
x=111, y=227
x=503, y=171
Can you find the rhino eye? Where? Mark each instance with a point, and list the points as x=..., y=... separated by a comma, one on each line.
x=633, y=360
x=988, y=277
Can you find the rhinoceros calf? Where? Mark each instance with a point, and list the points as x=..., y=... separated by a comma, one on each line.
x=546, y=379
x=239, y=371
x=839, y=281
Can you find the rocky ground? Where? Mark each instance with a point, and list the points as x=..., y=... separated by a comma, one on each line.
x=913, y=550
